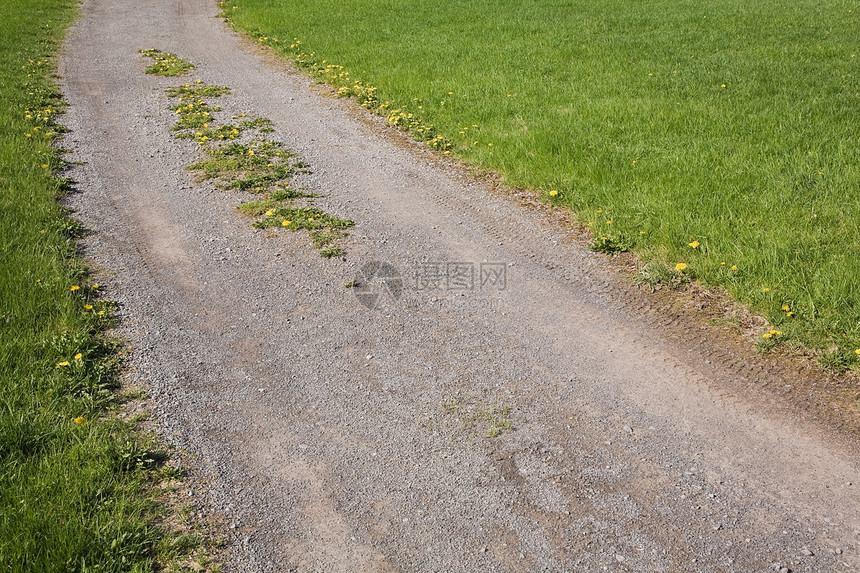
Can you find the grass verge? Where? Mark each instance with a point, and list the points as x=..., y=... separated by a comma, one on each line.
x=729, y=124
x=81, y=489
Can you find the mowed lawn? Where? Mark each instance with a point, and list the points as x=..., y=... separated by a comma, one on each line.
x=730, y=125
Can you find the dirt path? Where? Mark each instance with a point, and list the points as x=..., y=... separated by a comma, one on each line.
x=638, y=442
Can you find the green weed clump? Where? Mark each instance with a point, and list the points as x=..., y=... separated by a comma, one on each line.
x=729, y=123
x=494, y=420
x=166, y=64
x=238, y=157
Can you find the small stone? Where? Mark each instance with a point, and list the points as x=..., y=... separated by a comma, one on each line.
x=628, y=429
x=837, y=551
x=807, y=552
x=620, y=558
x=369, y=356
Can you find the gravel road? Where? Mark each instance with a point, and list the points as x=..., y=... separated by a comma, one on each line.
x=331, y=436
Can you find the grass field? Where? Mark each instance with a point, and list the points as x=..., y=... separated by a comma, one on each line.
x=729, y=125
x=77, y=483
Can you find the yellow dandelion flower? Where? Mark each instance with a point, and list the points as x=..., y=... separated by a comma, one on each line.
x=857, y=351
x=609, y=221
x=765, y=289
x=73, y=288
x=78, y=356
x=62, y=364
x=553, y=193
x=80, y=420
x=734, y=267
x=766, y=335
x=694, y=244
x=88, y=307
x=789, y=313
x=680, y=267
x=785, y=307
x=285, y=223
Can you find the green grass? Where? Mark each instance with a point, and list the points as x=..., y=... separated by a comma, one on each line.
x=732, y=123
x=77, y=486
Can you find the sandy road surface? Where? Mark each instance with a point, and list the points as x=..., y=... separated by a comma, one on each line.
x=319, y=423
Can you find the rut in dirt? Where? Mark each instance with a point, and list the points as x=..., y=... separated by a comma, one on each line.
x=493, y=399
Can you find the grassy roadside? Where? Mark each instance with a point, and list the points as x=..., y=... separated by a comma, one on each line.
x=720, y=138
x=78, y=487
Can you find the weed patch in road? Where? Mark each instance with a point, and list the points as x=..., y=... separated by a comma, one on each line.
x=166, y=64
x=238, y=156
x=476, y=418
